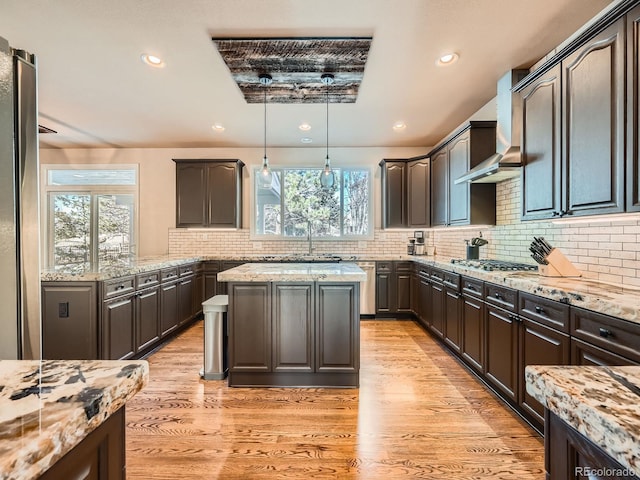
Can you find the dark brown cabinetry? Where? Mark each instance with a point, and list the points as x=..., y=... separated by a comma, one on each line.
x=472, y=348
x=147, y=308
x=294, y=334
x=393, y=287
x=118, y=318
x=464, y=203
x=208, y=193
x=168, y=300
x=633, y=111
x=452, y=311
x=405, y=193
x=502, y=346
x=436, y=318
x=70, y=321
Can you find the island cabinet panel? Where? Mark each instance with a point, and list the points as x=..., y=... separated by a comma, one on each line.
x=250, y=328
x=541, y=133
x=502, y=351
x=100, y=456
x=338, y=328
x=147, y=317
x=593, y=124
x=69, y=321
x=293, y=327
x=118, y=328
x=540, y=345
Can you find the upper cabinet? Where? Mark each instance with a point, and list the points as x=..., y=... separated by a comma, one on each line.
x=405, y=193
x=580, y=123
x=463, y=203
x=209, y=193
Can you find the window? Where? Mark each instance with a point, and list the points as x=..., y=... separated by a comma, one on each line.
x=90, y=216
x=295, y=202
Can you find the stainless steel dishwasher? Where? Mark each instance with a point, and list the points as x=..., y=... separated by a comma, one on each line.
x=368, y=289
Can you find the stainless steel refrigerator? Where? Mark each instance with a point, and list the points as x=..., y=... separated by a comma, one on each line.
x=20, y=324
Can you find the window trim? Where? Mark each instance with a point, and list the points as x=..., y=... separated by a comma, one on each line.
x=254, y=236
x=46, y=206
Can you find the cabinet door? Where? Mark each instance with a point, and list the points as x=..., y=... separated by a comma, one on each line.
x=539, y=345
x=473, y=333
x=185, y=299
x=223, y=195
x=118, y=328
x=593, y=124
x=437, y=309
x=419, y=194
x=337, y=328
x=453, y=319
x=394, y=192
x=541, y=133
x=633, y=110
x=440, y=188
x=502, y=350
x=403, y=292
x=197, y=294
x=425, y=302
x=190, y=195
x=415, y=295
x=249, y=318
x=293, y=324
x=168, y=308
x=147, y=317
x=69, y=324
x=210, y=284
x=459, y=194
x=384, y=289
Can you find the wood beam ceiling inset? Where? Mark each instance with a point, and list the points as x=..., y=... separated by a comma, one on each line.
x=296, y=65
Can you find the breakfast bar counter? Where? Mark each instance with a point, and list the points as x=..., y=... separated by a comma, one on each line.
x=65, y=419
x=294, y=324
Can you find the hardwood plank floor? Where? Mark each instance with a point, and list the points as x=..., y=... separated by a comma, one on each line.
x=417, y=414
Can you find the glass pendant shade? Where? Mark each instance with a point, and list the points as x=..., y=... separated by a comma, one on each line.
x=327, y=177
x=266, y=176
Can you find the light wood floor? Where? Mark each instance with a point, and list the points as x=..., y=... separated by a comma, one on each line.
x=417, y=414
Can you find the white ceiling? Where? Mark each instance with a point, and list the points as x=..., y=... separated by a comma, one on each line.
x=95, y=91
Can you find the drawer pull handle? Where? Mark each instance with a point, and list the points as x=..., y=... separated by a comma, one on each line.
x=471, y=287
x=539, y=309
x=498, y=296
x=119, y=287
x=605, y=333
x=148, y=280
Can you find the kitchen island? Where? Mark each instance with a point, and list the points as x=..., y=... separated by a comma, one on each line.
x=65, y=419
x=592, y=425
x=294, y=324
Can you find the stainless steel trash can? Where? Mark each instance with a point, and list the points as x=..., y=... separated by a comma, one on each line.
x=215, y=338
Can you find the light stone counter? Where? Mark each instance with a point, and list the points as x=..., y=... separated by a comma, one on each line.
x=294, y=272
x=602, y=403
x=48, y=407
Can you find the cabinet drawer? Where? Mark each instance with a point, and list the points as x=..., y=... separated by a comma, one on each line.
x=583, y=353
x=168, y=274
x=503, y=297
x=149, y=279
x=384, y=267
x=471, y=287
x=437, y=275
x=211, y=266
x=452, y=281
x=117, y=286
x=424, y=271
x=184, y=270
x=612, y=334
x=548, y=312
x=402, y=266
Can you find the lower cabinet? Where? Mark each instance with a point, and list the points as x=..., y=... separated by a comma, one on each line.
x=185, y=299
x=168, y=308
x=502, y=345
x=294, y=334
x=436, y=317
x=453, y=318
x=147, y=310
x=118, y=328
x=473, y=324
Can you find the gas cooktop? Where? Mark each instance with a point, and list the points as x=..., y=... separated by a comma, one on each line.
x=491, y=265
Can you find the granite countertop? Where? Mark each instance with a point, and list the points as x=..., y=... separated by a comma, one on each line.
x=294, y=272
x=602, y=403
x=614, y=300
x=48, y=407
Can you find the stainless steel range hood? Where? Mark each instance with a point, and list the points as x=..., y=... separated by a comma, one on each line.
x=506, y=162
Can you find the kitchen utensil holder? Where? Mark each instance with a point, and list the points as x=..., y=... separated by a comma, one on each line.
x=559, y=266
x=473, y=252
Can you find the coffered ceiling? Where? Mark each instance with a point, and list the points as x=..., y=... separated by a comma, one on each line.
x=96, y=92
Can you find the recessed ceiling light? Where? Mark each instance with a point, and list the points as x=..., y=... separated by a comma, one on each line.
x=399, y=126
x=306, y=140
x=152, y=60
x=447, y=59
x=217, y=127
x=305, y=127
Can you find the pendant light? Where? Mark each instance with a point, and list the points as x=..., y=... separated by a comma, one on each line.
x=327, y=177
x=266, y=175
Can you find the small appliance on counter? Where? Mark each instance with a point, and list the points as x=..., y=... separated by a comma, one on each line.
x=411, y=246
x=473, y=247
x=419, y=237
x=551, y=260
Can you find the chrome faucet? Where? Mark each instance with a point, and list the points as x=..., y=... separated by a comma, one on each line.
x=309, y=239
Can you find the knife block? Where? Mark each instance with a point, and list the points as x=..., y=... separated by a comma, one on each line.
x=559, y=266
